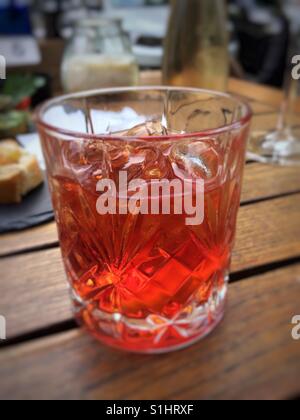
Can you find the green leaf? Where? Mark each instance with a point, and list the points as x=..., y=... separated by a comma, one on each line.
x=21, y=86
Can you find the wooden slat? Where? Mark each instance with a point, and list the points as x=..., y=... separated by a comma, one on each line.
x=258, y=93
x=39, y=236
x=267, y=232
x=262, y=99
x=34, y=292
x=36, y=284
x=259, y=108
x=269, y=122
x=251, y=355
x=267, y=181
x=261, y=181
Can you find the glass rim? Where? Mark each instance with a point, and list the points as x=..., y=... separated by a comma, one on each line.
x=240, y=123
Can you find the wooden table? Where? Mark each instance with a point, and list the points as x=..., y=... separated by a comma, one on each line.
x=250, y=355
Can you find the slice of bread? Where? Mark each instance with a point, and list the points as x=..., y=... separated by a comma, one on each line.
x=32, y=175
x=10, y=152
x=19, y=172
x=11, y=180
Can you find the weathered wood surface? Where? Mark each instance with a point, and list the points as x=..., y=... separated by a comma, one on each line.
x=251, y=355
x=35, y=282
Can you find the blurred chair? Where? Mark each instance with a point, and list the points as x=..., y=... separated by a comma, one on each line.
x=263, y=35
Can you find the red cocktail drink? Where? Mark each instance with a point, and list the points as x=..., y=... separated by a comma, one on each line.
x=146, y=202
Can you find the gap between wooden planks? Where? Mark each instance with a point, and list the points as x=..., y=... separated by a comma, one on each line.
x=251, y=355
x=260, y=182
x=34, y=289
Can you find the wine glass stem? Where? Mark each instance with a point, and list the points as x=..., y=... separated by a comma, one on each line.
x=283, y=125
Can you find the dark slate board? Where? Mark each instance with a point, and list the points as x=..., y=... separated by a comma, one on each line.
x=35, y=209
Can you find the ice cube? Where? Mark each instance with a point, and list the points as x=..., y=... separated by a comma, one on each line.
x=73, y=154
x=118, y=154
x=149, y=128
x=195, y=160
x=84, y=161
x=146, y=162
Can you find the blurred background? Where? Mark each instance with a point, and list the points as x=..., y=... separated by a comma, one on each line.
x=258, y=30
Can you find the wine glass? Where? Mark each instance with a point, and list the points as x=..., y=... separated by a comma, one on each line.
x=282, y=146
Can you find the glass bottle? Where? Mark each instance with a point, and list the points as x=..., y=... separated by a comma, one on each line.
x=196, y=46
x=98, y=55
